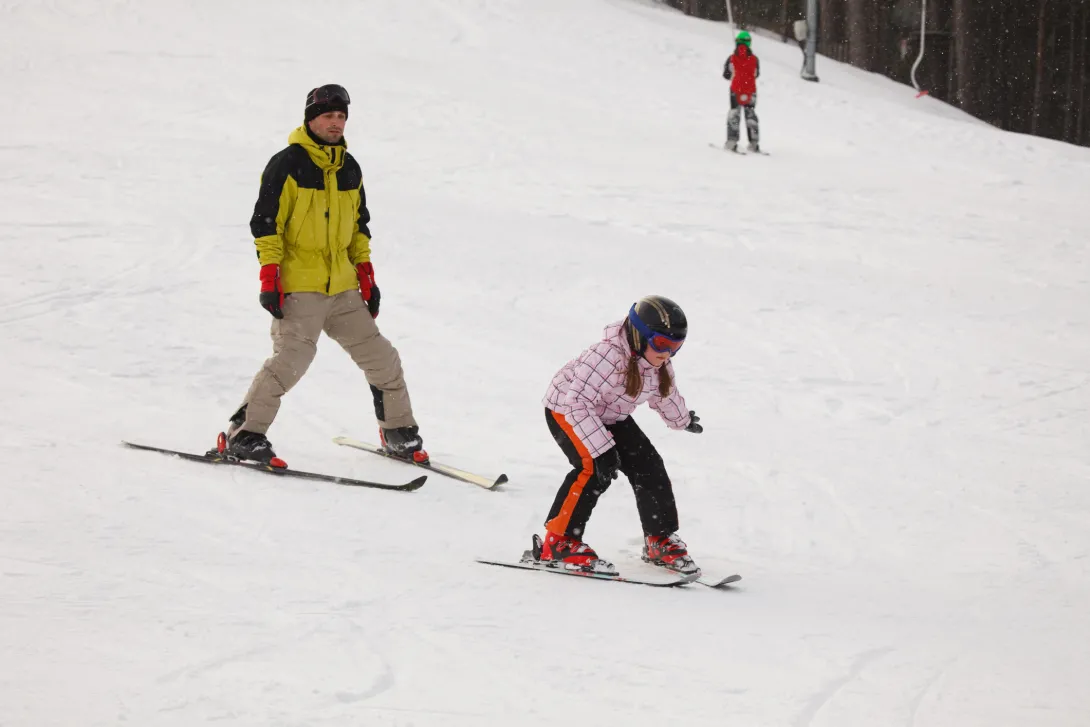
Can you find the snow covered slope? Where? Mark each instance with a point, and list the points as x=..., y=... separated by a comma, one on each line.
x=889, y=325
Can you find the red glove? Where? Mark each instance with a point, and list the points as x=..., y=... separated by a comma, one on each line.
x=368, y=290
x=272, y=292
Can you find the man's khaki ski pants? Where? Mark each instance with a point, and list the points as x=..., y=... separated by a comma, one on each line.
x=345, y=319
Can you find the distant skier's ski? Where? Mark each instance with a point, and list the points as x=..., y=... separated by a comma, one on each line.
x=723, y=148
x=214, y=457
x=678, y=580
x=447, y=470
x=738, y=150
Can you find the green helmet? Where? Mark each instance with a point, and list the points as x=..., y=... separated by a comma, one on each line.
x=745, y=38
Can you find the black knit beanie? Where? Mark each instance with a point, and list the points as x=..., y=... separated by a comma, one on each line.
x=327, y=102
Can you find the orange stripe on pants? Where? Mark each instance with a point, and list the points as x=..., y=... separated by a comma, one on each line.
x=559, y=524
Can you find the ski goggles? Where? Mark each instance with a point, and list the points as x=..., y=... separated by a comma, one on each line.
x=658, y=341
x=329, y=93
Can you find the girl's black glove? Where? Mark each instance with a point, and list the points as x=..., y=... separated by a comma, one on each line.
x=694, y=424
x=606, y=465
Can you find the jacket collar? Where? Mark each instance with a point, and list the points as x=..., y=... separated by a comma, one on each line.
x=326, y=156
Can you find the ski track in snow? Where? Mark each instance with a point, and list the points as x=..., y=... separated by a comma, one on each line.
x=830, y=690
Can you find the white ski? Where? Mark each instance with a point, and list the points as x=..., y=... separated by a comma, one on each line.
x=452, y=472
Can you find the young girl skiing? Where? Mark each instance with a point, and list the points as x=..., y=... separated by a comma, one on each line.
x=587, y=409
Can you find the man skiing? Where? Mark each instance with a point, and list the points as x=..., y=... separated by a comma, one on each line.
x=742, y=69
x=313, y=244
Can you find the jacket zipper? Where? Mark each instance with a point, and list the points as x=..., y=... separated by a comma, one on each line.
x=328, y=204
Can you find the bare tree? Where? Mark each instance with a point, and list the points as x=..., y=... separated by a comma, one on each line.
x=963, y=55
x=858, y=34
x=1038, y=83
x=1069, y=94
x=1080, y=136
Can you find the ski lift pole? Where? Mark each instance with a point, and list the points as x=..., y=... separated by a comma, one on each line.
x=809, y=54
x=730, y=18
x=923, y=38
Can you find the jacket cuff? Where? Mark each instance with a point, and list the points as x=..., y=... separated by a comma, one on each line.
x=270, y=250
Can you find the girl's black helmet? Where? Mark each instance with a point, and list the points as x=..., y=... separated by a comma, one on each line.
x=659, y=318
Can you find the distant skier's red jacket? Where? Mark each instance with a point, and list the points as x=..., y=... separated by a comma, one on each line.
x=742, y=68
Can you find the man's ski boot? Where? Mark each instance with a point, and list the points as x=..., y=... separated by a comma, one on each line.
x=249, y=447
x=670, y=552
x=731, y=146
x=404, y=443
x=557, y=551
x=754, y=147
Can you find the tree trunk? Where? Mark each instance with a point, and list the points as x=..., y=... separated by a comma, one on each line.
x=1069, y=97
x=1012, y=119
x=858, y=34
x=1080, y=135
x=988, y=95
x=963, y=57
x=825, y=31
x=1038, y=84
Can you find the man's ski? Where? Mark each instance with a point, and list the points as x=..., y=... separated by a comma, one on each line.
x=214, y=457
x=678, y=580
x=452, y=472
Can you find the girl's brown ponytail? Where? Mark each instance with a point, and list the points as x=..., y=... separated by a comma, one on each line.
x=633, y=381
x=665, y=383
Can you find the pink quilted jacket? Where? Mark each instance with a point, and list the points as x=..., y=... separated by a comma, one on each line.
x=589, y=391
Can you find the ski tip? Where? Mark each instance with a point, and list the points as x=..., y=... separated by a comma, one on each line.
x=723, y=583
x=416, y=484
x=501, y=480
x=135, y=445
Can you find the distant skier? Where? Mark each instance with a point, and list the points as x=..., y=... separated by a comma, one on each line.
x=587, y=409
x=742, y=69
x=314, y=247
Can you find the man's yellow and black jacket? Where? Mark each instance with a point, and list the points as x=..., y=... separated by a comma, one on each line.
x=311, y=216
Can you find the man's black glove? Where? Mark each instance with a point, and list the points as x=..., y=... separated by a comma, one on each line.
x=366, y=274
x=606, y=466
x=372, y=305
x=694, y=424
